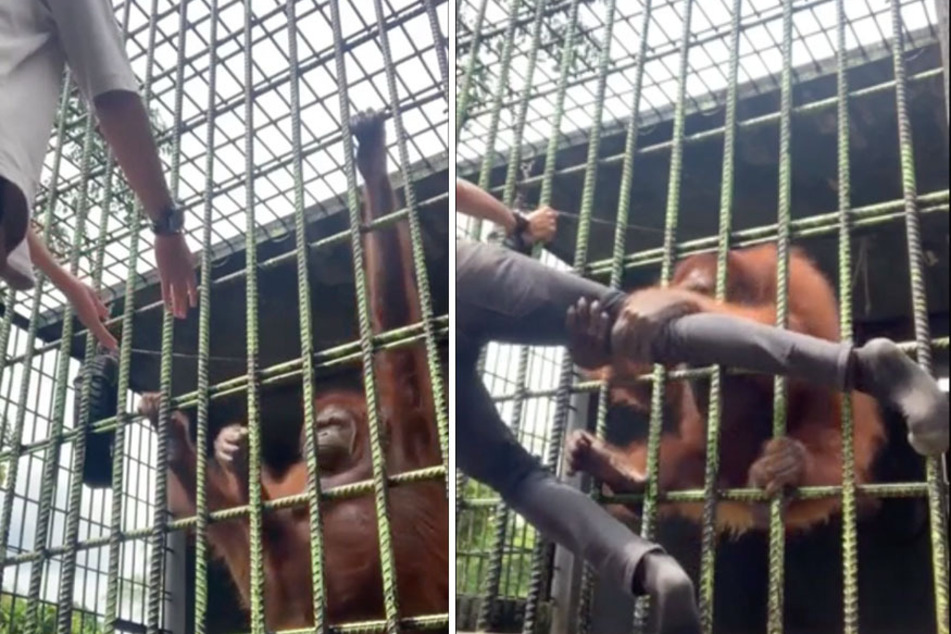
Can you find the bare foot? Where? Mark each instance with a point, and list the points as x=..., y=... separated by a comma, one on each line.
x=370, y=131
x=882, y=370
x=586, y=453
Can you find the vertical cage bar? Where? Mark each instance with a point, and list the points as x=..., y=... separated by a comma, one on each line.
x=850, y=562
x=75, y=492
x=500, y=517
x=424, y=297
x=8, y=300
x=204, y=341
x=53, y=442
x=159, y=513
x=253, y=372
x=380, y=484
x=585, y=604
x=306, y=335
x=777, y=529
x=488, y=157
x=543, y=548
x=936, y=478
x=708, y=536
x=671, y=219
x=564, y=71
x=439, y=44
x=123, y=418
x=462, y=97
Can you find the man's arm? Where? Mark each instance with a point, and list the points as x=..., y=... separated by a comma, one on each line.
x=538, y=226
x=125, y=126
x=473, y=201
x=93, y=46
x=86, y=304
x=44, y=260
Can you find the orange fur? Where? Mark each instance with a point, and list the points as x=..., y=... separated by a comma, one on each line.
x=814, y=414
x=418, y=513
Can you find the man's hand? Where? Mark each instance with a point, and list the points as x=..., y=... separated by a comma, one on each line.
x=542, y=225
x=588, y=335
x=89, y=309
x=177, y=272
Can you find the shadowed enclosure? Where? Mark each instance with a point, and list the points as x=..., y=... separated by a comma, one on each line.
x=667, y=128
x=251, y=104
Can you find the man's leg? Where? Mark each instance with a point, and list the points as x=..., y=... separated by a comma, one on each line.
x=505, y=296
x=487, y=451
x=879, y=368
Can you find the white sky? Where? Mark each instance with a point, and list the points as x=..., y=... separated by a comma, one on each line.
x=418, y=83
x=760, y=57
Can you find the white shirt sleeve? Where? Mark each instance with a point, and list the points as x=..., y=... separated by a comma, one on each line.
x=93, y=47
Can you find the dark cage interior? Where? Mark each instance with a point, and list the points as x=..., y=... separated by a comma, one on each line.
x=333, y=310
x=898, y=573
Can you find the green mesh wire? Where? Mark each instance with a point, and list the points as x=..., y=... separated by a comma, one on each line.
x=242, y=98
x=692, y=118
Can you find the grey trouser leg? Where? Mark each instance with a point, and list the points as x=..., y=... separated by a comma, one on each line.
x=507, y=297
x=504, y=296
x=707, y=339
x=487, y=451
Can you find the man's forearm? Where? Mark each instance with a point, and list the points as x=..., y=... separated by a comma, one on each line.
x=44, y=260
x=473, y=201
x=125, y=125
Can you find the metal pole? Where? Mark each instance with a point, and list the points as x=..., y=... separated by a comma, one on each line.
x=176, y=606
x=567, y=569
x=941, y=6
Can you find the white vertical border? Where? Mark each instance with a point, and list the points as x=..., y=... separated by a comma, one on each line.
x=451, y=184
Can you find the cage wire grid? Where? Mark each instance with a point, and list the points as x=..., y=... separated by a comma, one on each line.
x=534, y=78
x=242, y=97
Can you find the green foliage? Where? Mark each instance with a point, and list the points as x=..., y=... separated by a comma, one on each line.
x=475, y=540
x=554, y=30
x=13, y=618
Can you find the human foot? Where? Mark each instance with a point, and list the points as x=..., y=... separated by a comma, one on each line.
x=882, y=370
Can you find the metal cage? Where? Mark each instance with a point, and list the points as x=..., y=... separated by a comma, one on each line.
x=251, y=103
x=676, y=127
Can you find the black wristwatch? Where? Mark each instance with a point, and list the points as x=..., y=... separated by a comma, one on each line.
x=518, y=239
x=171, y=221
x=521, y=223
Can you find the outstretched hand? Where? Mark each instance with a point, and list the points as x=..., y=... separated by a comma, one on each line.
x=176, y=269
x=90, y=310
x=588, y=334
